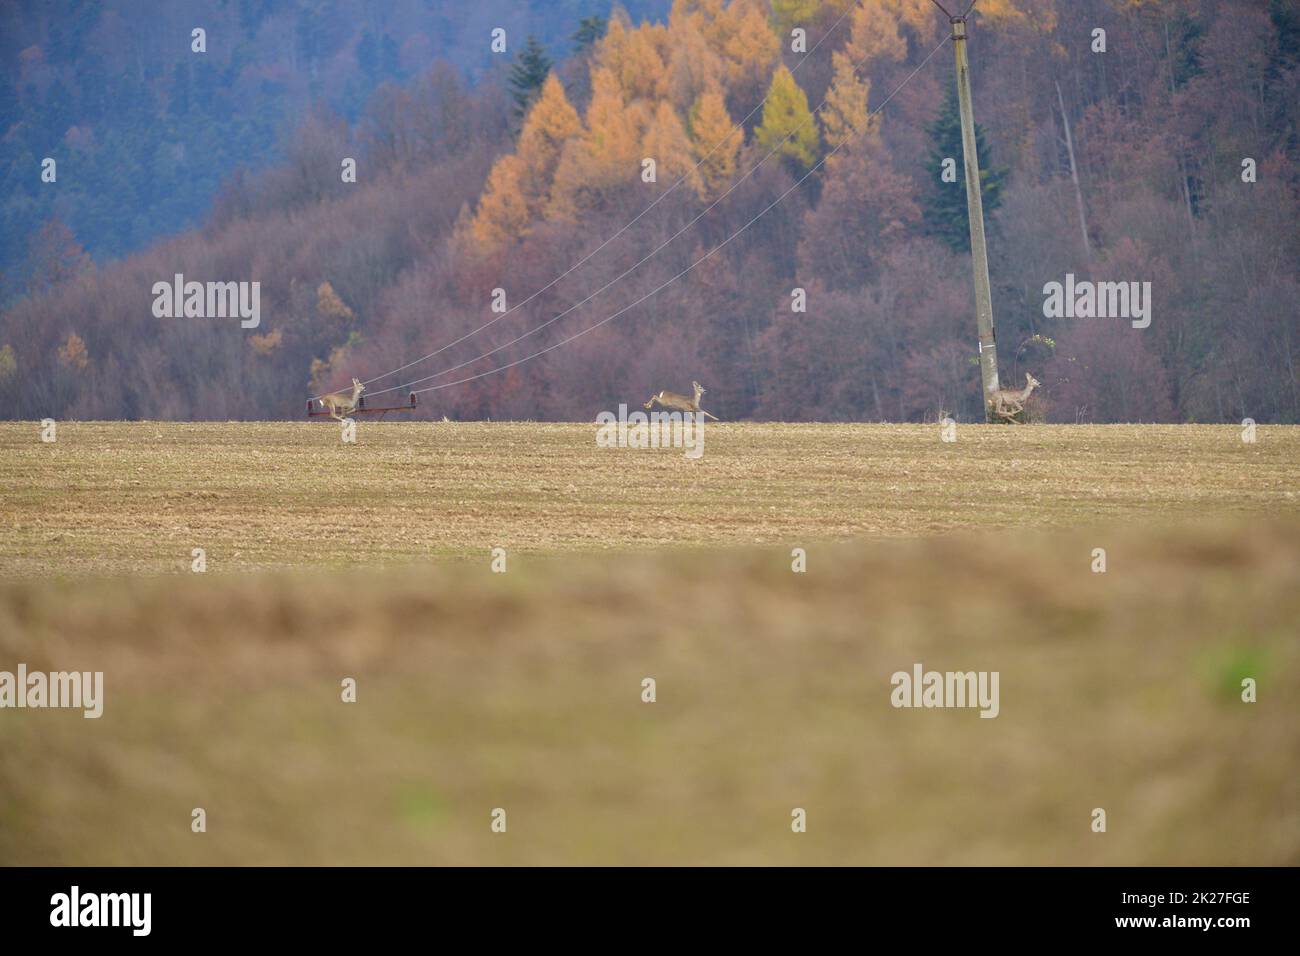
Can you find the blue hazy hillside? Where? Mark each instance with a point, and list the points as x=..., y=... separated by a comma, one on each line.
x=144, y=129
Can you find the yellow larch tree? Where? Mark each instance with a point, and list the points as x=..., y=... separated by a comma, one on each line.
x=743, y=37
x=877, y=29
x=845, y=117
x=636, y=58
x=502, y=214
x=608, y=153
x=694, y=67
x=716, y=142
x=614, y=129
x=788, y=128
x=668, y=145
x=550, y=124
x=518, y=188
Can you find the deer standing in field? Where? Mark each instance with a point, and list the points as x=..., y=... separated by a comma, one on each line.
x=341, y=403
x=1010, y=402
x=680, y=403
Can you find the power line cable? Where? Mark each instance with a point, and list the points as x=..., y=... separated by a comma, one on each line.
x=688, y=269
x=646, y=258
x=739, y=127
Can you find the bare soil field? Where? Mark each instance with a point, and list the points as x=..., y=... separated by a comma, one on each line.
x=137, y=497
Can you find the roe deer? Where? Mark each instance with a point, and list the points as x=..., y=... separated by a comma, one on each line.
x=681, y=403
x=342, y=402
x=1009, y=402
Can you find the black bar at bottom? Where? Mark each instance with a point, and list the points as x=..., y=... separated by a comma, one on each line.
x=332, y=906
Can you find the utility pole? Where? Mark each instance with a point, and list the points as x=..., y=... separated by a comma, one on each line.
x=975, y=213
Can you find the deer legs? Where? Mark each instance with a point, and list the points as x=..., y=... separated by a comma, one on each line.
x=1009, y=412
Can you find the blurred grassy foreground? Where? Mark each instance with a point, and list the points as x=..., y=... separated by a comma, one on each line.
x=523, y=691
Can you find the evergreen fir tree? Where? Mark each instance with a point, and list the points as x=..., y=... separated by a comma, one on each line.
x=944, y=204
x=590, y=29
x=527, y=74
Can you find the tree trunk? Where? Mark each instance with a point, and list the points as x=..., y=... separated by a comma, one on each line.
x=1074, y=177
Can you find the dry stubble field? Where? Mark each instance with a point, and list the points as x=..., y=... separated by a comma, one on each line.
x=126, y=498
x=523, y=690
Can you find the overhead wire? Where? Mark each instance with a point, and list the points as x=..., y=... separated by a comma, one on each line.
x=661, y=287
x=738, y=128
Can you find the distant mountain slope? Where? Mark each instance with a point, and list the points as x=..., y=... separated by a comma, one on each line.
x=144, y=129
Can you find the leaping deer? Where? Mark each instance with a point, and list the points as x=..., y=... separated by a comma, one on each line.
x=1010, y=402
x=342, y=402
x=680, y=403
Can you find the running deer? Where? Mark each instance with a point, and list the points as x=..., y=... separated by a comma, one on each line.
x=680, y=403
x=1010, y=402
x=342, y=402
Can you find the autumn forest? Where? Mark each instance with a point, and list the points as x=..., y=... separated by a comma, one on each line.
x=755, y=195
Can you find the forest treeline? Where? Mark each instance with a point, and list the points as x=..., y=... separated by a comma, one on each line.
x=1123, y=141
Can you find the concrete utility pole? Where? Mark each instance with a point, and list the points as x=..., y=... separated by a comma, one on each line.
x=975, y=213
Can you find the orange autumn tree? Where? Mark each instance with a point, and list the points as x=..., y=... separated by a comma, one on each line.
x=668, y=145
x=694, y=66
x=550, y=124
x=657, y=91
x=519, y=185
x=846, y=119
x=877, y=31
x=715, y=142
x=636, y=58
x=606, y=156
x=865, y=205
x=73, y=353
x=502, y=210
x=749, y=49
